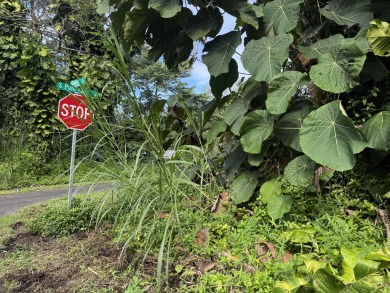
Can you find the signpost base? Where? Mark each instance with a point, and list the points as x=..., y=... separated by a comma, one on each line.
x=72, y=156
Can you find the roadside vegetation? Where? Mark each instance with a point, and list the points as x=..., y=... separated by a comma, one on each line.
x=278, y=182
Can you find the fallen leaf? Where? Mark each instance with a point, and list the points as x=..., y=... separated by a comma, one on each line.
x=208, y=267
x=262, y=250
x=215, y=204
x=202, y=236
x=163, y=215
x=221, y=200
x=287, y=256
x=272, y=249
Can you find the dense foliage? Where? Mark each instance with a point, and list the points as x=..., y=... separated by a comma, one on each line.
x=317, y=92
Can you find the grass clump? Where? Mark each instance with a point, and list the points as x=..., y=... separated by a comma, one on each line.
x=56, y=220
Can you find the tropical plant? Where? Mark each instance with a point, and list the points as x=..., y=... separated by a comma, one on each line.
x=308, y=62
x=361, y=272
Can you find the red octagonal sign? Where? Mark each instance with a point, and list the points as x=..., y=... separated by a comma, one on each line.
x=74, y=113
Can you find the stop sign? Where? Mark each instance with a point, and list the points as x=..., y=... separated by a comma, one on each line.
x=74, y=113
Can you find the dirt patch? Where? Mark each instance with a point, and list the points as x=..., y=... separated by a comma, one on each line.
x=63, y=265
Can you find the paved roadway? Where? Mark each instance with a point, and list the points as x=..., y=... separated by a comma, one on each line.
x=10, y=203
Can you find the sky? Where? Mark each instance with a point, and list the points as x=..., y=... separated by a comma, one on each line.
x=200, y=76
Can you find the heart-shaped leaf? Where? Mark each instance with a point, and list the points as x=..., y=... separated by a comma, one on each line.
x=282, y=14
x=243, y=187
x=264, y=58
x=220, y=52
x=256, y=128
x=347, y=12
x=329, y=138
x=281, y=90
x=299, y=171
x=378, y=36
x=377, y=131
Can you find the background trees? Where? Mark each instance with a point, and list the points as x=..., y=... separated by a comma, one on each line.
x=42, y=42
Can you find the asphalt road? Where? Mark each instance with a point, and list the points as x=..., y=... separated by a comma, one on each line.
x=10, y=203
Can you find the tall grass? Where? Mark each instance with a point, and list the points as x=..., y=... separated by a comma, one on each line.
x=150, y=189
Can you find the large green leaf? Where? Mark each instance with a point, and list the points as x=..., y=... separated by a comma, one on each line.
x=237, y=109
x=220, y=52
x=282, y=89
x=225, y=80
x=270, y=189
x=256, y=128
x=243, y=187
x=234, y=161
x=364, y=268
x=378, y=36
x=329, y=137
x=282, y=14
x=264, y=58
x=322, y=47
x=325, y=282
x=288, y=126
x=278, y=206
x=339, y=71
x=299, y=171
x=377, y=131
x=236, y=125
x=349, y=12
x=135, y=24
x=217, y=128
x=250, y=14
x=167, y=8
x=200, y=25
x=350, y=258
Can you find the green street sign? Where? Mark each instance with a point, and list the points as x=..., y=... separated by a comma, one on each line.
x=91, y=93
x=66, y=87
x=71, y=89
x=78, y=82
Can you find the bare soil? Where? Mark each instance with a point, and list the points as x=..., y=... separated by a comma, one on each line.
x=83, y=261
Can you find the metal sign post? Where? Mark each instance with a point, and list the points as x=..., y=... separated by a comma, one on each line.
x=72, y=156
x=74, y=113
